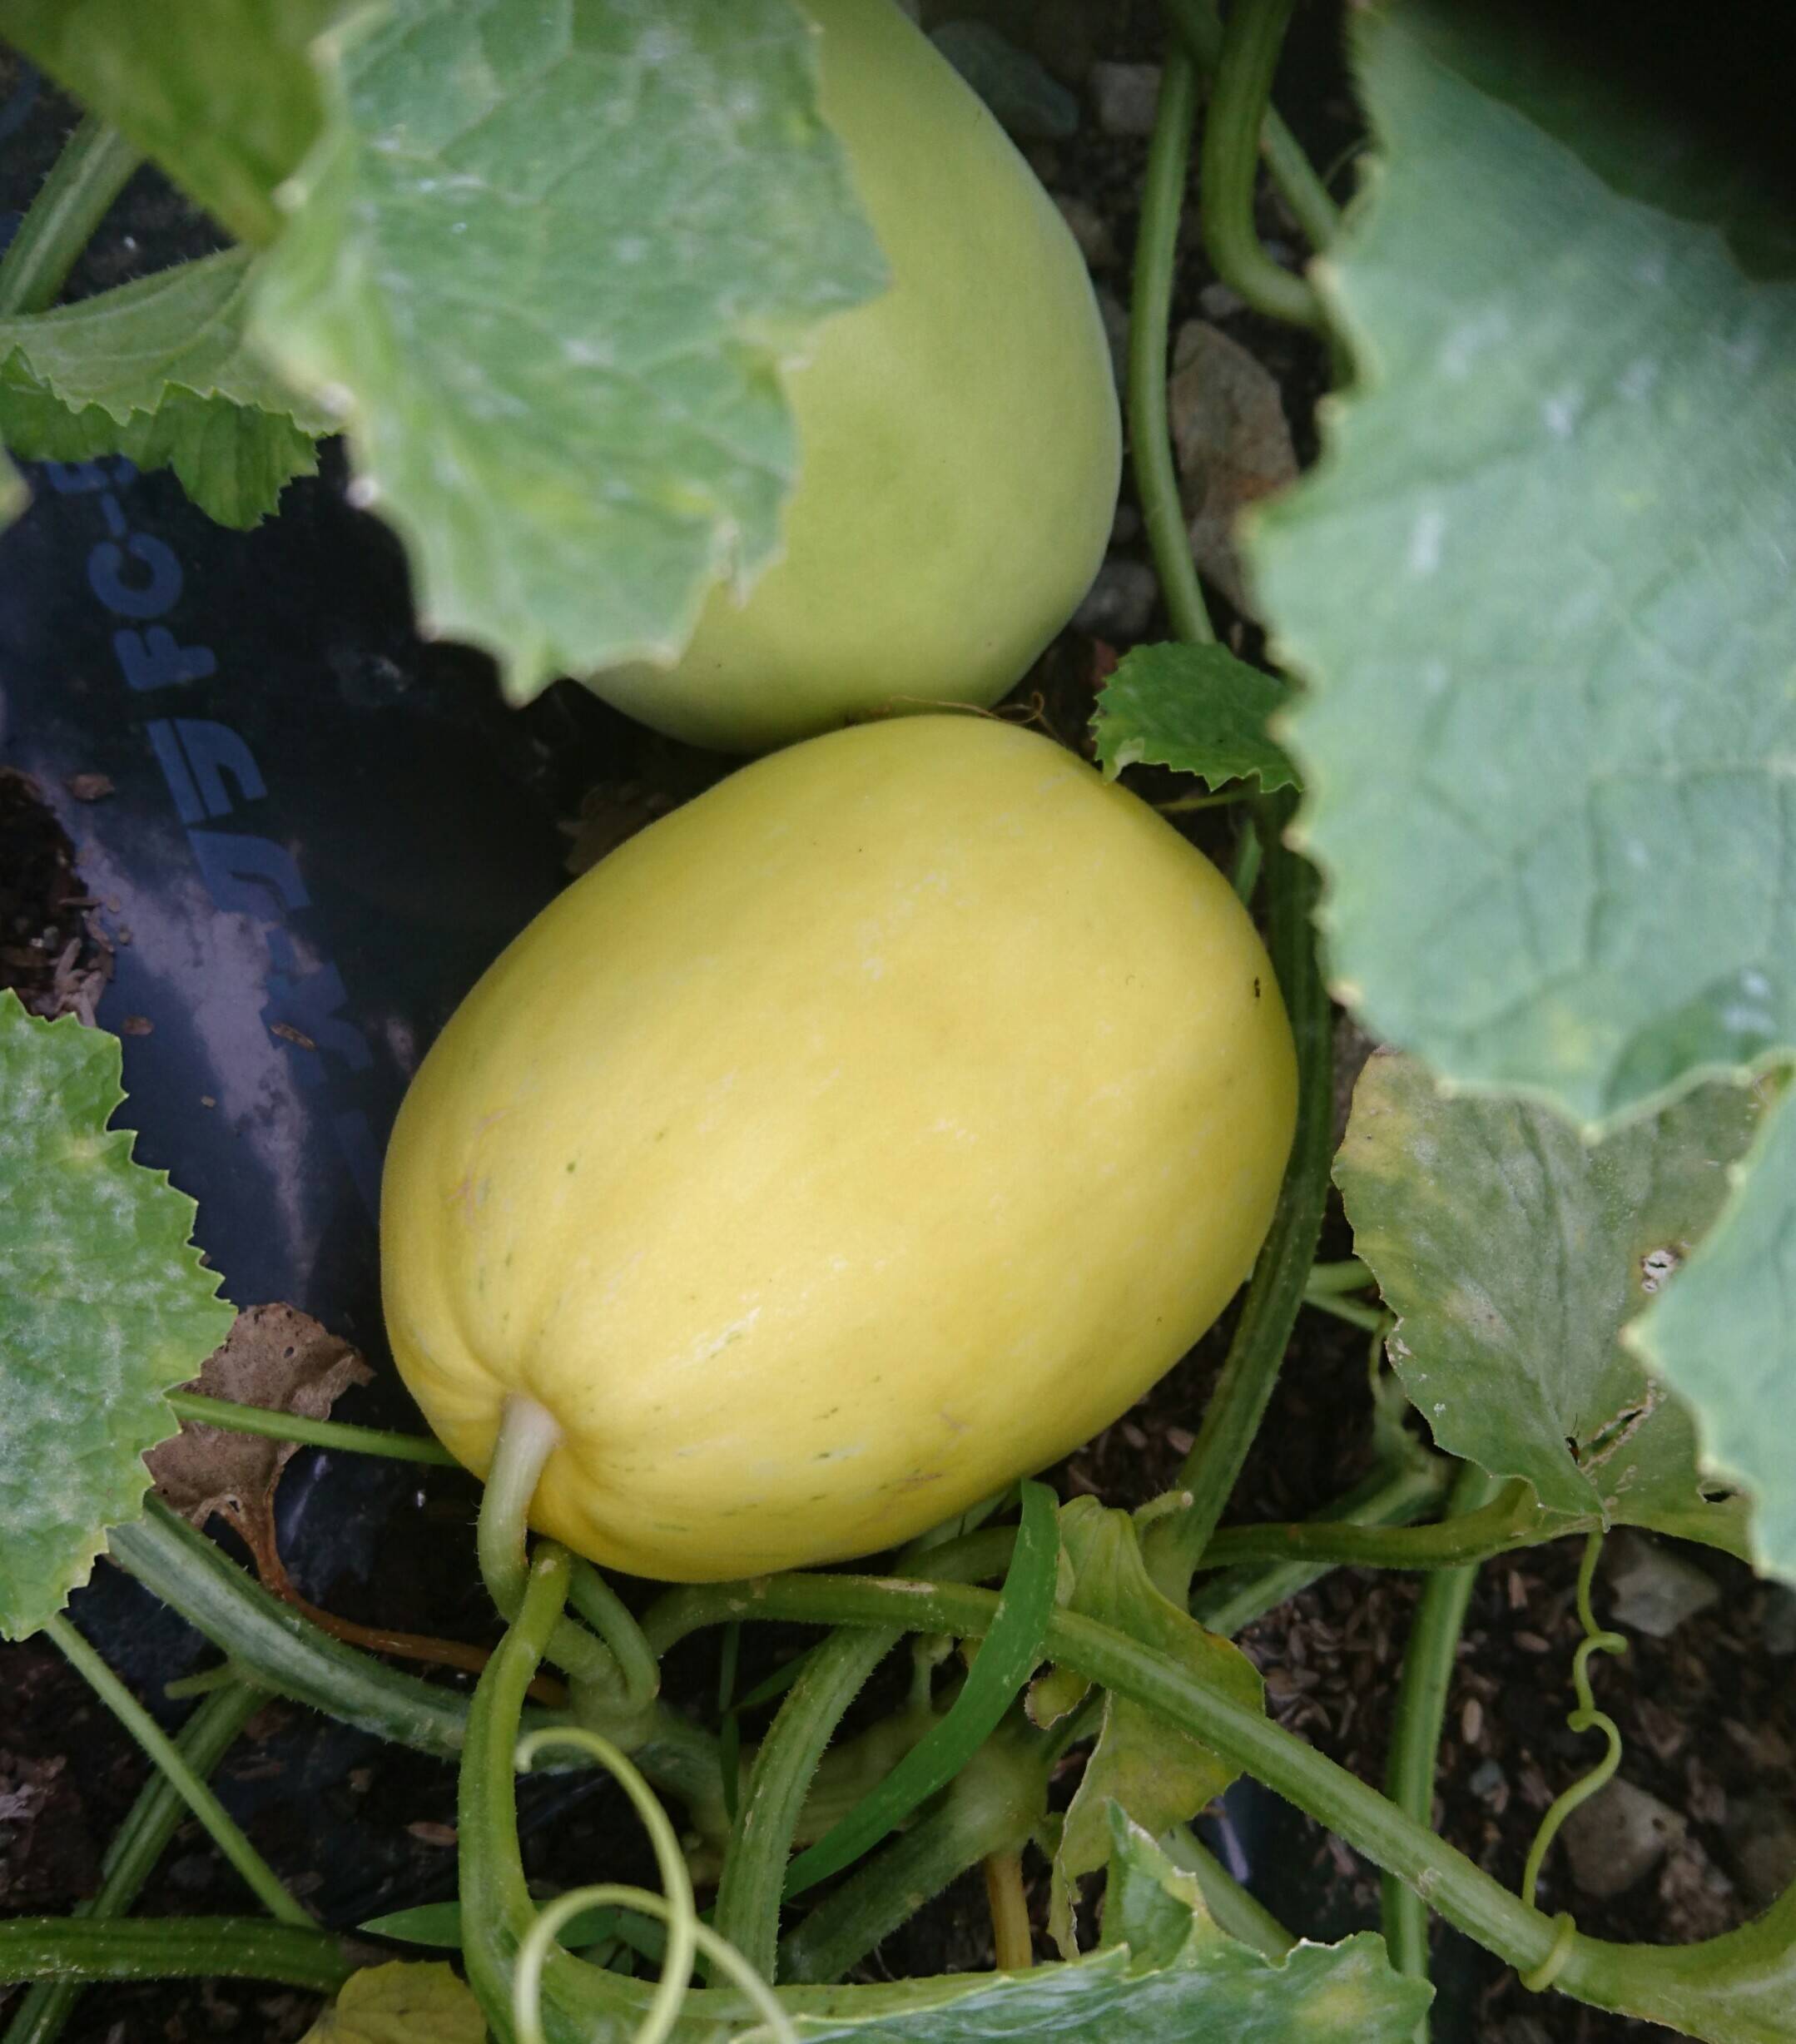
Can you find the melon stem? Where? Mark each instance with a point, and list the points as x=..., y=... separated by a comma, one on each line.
x=529, y=1434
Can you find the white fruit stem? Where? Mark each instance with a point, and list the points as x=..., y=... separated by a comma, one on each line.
x=529, y=1434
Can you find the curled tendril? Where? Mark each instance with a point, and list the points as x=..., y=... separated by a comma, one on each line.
x=527, y=1980
x=678, y=1909
x=1586, y=1717
x=1565, y=1936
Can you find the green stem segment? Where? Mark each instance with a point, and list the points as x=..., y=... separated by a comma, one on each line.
x=989, y=1810
x=1228, y=1603
x=1150, y=445
x=196, y=1409
x=96, y=163
x=1239, y=100
x=1227, y=1900
x=1330, y=1279
x=1511, y=1519
x=1200, y=27
x=136, y=1846
x=1428, y=1661
x=1461, y=1891
x=84, y=1948
x=749, y=1887
x=1745, y=1977
x=275, y=1644
x=277, y=1647
x=1238, y=1402
x=529, y=1434
x=182, y=1776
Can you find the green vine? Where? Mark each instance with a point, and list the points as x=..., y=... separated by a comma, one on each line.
x=1237, y=1404
x=1150, y=446
x=138, y=1844
x=1428, y=1662
x=1238, y=100
x=90, y=1948
x=96, y=164
x=1199, y=28
x=178, y=1771
x=749, y=1887
x=199, y=1410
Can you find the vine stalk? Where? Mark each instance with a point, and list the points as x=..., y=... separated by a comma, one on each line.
x=1150, y=447
x=1239, y=96
x=95, y=166
x=1428, y=1661
x=180, y=1772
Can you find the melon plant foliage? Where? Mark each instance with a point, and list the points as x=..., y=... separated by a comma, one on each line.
x=1522, y=728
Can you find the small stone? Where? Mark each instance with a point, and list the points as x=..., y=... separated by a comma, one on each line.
x=1764, y=1840
x=192, y=1872
x=1618, y=1837
x=1125, y=96
x=1696, y=1899
x=1090, y=230
x=1233, y=442
x=1779, y=1631
x=1525, y=2029
x=1486, y=1778
x=1653, y=1589
x=89, y=788
x=1119, y=603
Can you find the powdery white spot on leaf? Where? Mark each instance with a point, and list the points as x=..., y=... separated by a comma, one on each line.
x=104, y=1307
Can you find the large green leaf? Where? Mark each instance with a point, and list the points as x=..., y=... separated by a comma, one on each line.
x=551, y=263
x=1197, y=708
x=1514, y=1254
x=104, y=1307
x=1158, y=1776
x=161, y=370
x=1540, y=585
x=220, y=92
x=1724, y=1333
x=1166, y=1975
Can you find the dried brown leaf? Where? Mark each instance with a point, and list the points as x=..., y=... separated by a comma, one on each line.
x=282, y=1360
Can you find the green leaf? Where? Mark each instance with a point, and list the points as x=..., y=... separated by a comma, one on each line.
x=220, y=92
x=1006, y=1659
x=402, y=2002
x=13, y=494
x=1540, y=586
x=1514, y=1254
x=1166, y=1975
x=1722, y=1332
x=554, y=263
x=160, y=370
x=104, y=1307
x=1158, y=1776
x=1196, y=708
x=436, y=1923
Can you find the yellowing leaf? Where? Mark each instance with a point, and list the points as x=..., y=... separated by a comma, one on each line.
x=1157, y=1776
x=405, y=2002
